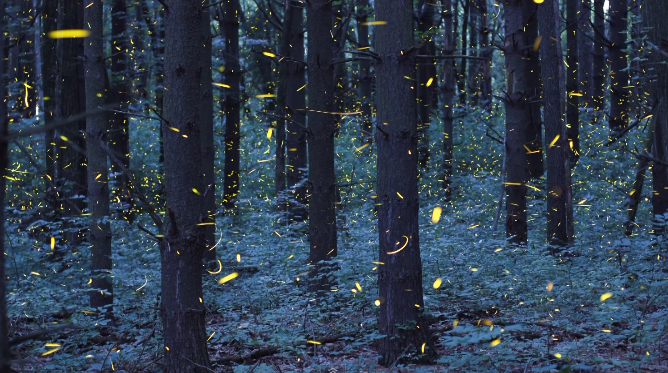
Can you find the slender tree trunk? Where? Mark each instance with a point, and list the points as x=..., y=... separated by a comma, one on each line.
x=473, y=82
x=559, y=195
x=534, y=129
x=119, y=139
x=206, y=138
x=98, y=182
x=296, y=105
x=407, y=336
x=5, y=355
x=70, y=100
x=49, y=72
x=619, y=85
x=183, y=245
x=322, y=126
x=449, y=87
x=572, y=83
x=232, y=75
x=518, y=115
x=600, y=68
x=487, y=51
x=654, y=14
x=585, y=52
x=365, y=77
x=282, y=102
x=461, y=79
x=425, y=21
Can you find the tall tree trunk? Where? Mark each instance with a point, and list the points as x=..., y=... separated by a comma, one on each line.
x=207, y=137
x=473, y=82
x=534, y=129
x=518, y=116
x=461, y=79
x=449, y=92
x=585, y=53
x=425, y=22
x=600, y=68
x=5, y=356
x=98, y=182
x=183, y=245
x=232, y=75
x=487, y=52
x=365, y=77
x=296, y=105
x=119, y=139
x=655, y=15
x=70, y=101
x=282, y=102
x=322, y=126
x=572, y=83
x=559, y=195
x=49, y=72
x=619, y=84
x=406, y=334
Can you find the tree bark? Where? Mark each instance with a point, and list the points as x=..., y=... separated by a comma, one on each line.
x=534, y=129
x=572, y=83
x=600, y=68
x=183, y=245
x=101, y=295
x=365, y=76
x=619, y=84
x=559, y=196
x=518, y=115
x=231, y=105
x=487, y=51
x=461, y=78
x=207, y=139
x=585, y=53
x=425, y=22
x=282, y=102
x=5, y=355
x=407, y=337
x=49, y=72
x=322, y=126
x=473, y=82
x=296, y=105
x=449, y=88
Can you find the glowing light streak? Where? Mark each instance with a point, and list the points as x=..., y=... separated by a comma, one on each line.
x=68, y=34
x=497, y=341
x=145, y=282
x=429, y=81
x=554, y=141
x=221, y=85
x=269, y=54
x=436, y=214
x=227, y=278
x=374, y=23
x=549, y=287
x=536, y=43
x=437, y=283
x=401, y=248
x=605, y=296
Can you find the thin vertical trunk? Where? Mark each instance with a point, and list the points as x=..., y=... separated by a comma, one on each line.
x=365, y=77
x=559, y=195
x=619, y=84
x=425, y=21
x=98, y=183
x=487, y=52
x=534, y=129
x=461, y=79
x=585, y=53
x=70, y=100
x=282, y=102
x=183, y=245
x=449, y=87
x=473, y=82
x=296, y=105
x=600, y=68
x=518, y=115
x=232, y=75
x=406, y=334
x=37, y=51
x=49, y=71
x=322, y=126
x=207, y=137
x=572, y=83
x=5, y=356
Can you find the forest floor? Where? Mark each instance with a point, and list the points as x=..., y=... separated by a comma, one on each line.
x=600, y=306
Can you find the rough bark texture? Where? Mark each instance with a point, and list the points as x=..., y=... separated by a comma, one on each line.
x=231, y=105
x=5, y=356
x=401, y=319
x=98, y=182
x=572, y=83
x=425, y=21
x=585, y=53
x=486, y=51
x=449, y=87
x=365, y=77
x=559, y=196
x=619, y=76
x=322, y=125
x=70, y=100
x=473, y=82
x=281, y=102
x=206, y=138
x=461, y=78
x=49, y=71
x=183, y=245
x=534, y=129
x=119, y=137
x=296, y=105
x=600, y=68
x=655, y=14
x=518, y=116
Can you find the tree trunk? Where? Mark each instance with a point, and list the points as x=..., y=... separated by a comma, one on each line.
x=5, y=355
x=619, y=84
x=600, y=68
x=473, y=82
x=518, y=116
x=585, y=53
x=407, y=337
x=534, y=129
x=183, y=245
x=296, y=105
x=425, y=21
x=559, y=196
x=70, y=100
x=449, y=87
x=232, y=75
x=282, y=102
x=572, y=84
x=461, y=79
x=206, y=138
x=322, y=126
x=49, y=72
x=365, y=77
x=655, y=14
x=487, y=51
x=98, y=183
